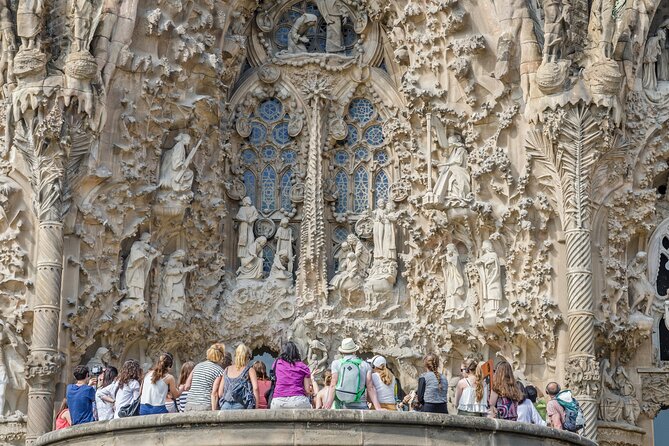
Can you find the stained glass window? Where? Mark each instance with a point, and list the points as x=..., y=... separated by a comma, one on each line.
x=340, y=233
x=341, y=158
x=280, y=133
x=268, y=201
x=381, y=157
x=258, y=133
x=341, y=180
x=381, y=186
x=361, y=188
x=289, y=156
x=248, y=156
x=286, y=187
x=361, y=110
x=271, y=110
x=268, y=259
x=268, y=152
x=250, y=183
x=374, y=135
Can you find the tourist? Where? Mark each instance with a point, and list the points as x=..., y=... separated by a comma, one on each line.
x=471, y=395
x=238, y=389
x=184, y=374
x=264, y=384
x=433, y=387
x=127, y=385
x=293, y=380
x=539, y=404
x=505, y=395
x=351, y=386
x=527, y=413
x=384, y=382
x=554, y=411
x=323, y=394
x=63, y=419
x=105, y=409
x=227, y=360
x=202, y=383
x=157, y=383
x=81, y=396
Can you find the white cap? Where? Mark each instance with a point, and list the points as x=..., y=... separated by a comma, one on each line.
x=378, y=361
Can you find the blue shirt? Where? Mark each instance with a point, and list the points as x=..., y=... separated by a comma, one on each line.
x=80, y=400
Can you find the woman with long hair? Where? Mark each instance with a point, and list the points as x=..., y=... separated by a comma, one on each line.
x=293, y=380
x=127, y=387
x=527, y=413
x=471, y=396
x=184, y=373
x=63, y=419
x=433, y=386
x=157, y=383
x=264, y=384
x=385, y=383
x=202, y=383
x=105, y=409
x=505, y=395
x=324, y=393
x=238, y=388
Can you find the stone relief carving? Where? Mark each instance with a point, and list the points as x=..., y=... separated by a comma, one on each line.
x=173, y=286
x=137, y=270
x=618, y=402
x=252, y=262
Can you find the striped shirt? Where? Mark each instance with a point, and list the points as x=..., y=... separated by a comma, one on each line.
x=204, y=375
x=181, y=401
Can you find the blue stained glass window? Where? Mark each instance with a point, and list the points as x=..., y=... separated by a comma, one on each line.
x=268, y=152
x=280, y=133
x=268, y=259
x=352, y=136
x=361, y=110
x=289, y=156
x=340, y=233
x=268, y=200
x=361, y=190
x=281, y=35
x=381, y=157
x=250, y=184
x=271, y=110
x=374, y=135
x=248, y=156
x=350, y=37
x=361, y=154
x=258, y=133
x=341, y=180
x=286, y=186
x=341, y=158
x=381, y=187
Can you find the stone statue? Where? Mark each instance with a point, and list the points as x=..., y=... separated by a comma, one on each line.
x=641, y=290
x=454, y=179
x=280, y=270
x=454, y=281
x=361, y=252
x=8, y=48
x=384, y=232
x=30, y=22
x=617, y=401
x=173, y=286
x=175, y=173
x=317, y=356
x=297, y=38
x=334, y=13
x=284, y=242
x=247, y=215
x=491, y=278
x=101, y=359
x=654, y=47
x=12, y=368
x=348, y=279
x=82, y=13
x=137, y=271
x=252, y=262
x=556, y=15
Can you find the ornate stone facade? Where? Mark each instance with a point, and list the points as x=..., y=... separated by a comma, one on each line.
x=443, y=176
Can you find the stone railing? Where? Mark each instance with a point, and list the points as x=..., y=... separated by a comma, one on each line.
x=308, y=427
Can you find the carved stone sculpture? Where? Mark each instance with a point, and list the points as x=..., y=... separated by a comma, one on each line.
x=385, y=246
x=297, y=39
x=453, y=184
x=280, y=268
x=652, y=52
x=12, y=368
x=252, y=263
x=172, y=302
x=618, y=402
x=317, y=357
x=141, y=257
x=362, y=253
x=454, y=281
x=491, y=280
x=246, y=216
x=30, y=22
x=175, y=173
x=284, y=242
x=333, y=12
x=101, y=359
x=82, y=13
x=641, y=290
x=348, y=279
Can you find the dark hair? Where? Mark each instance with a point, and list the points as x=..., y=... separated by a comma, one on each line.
x=261, y=370
x=184, y=373
x=552, y=388
x=431, y=363
x=227, y=360
x=160, y=370
x=531, y=393
x=521, y=388
x=130, y=371
x=109, y=375
x=290, y=353
x=81, y=372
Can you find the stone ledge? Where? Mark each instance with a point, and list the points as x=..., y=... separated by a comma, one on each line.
x=308, y=427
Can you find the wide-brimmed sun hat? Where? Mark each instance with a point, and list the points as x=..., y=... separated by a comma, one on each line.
x=348, y=346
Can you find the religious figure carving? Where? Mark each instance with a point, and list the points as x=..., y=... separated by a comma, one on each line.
x=641, y=290
x=137, y=271
x=284, y=242
x=453, y=185
x=348, y=279
x=82, y=13
x=8, y=43
x=454, y=281
x=247, y=215
x=617, y=401
x=280, y=270
x=556, y=16
x=175, y=173
x=252, y=262
x=12, y=367
x=384, y=231
x=334, y=14
x=491, y=279
x=29, y=22
x=297, y=38
x=654, y=46
x=362, y=254
x=317, y=356
x=100, y=359
x=173, y=286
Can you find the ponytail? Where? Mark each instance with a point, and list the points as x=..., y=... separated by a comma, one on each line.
x=431, y=362
x=385, y=375
x=479, y=381
x=160, y=370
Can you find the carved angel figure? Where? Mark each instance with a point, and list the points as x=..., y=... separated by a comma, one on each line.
x=173, y=285
x=251, y=267
x=556, y=16
x=137, y=271
x=454, y=179
x=297, y=38
x=641, y=290
x=491, y=277
x=334, y=13
x=247, y=215
x=362, y=254
x=385, y=246
x=175, y=173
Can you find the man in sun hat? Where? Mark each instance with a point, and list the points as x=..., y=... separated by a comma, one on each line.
x=351, y=385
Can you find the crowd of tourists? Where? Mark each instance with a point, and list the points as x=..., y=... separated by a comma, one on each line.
x=224, y=382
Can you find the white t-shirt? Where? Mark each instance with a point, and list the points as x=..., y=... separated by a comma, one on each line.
x=125, y=395
x=364, y=368
x=384, y=392
x=527, y=413
x=105, y=410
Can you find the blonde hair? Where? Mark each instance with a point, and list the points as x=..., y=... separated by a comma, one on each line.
x=385, y=374
x=327, y=377
x=431, y=362
x=242, y=356
x=479, y=381
x=216, y=353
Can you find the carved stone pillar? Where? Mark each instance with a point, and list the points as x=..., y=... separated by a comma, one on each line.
x=44, y=362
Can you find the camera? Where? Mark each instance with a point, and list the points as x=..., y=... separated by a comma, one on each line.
x=96, y=370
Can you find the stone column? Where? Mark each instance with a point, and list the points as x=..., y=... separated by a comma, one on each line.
x=44, y=361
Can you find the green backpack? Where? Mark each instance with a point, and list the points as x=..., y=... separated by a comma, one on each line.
x=348, y=388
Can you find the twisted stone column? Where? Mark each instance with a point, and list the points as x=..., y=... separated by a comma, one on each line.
x=44, y=361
